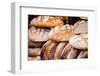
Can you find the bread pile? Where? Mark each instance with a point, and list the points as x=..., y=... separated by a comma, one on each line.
x=52, y=37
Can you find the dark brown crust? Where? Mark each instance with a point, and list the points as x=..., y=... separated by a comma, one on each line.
x=73, y=54
x=59, y=49
x=83, y=54
x=43, y=49
x=66, y=51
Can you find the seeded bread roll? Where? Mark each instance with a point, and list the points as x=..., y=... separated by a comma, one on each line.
x=47, y=21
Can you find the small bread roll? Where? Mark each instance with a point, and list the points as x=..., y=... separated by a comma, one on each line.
x=79, y=41
x=61, y=33
x=81, y=27
x=47, y=21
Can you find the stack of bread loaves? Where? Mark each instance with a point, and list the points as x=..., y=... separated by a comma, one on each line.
x=66, y=42
x=50, y=37
x=38, y=32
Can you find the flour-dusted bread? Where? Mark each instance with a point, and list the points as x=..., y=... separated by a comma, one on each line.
x=81, y=27
x=47, y=21
x=79, y=41
x=61, y=33
x=38, y=34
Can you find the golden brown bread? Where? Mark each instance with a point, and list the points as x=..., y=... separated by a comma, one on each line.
x=47, y=21
x=59, y=50
x=66, y=51
x=61, y=33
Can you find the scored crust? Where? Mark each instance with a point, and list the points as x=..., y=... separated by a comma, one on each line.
x=38, y=34
x=59, y=50
x=81, y=27
x=47, y=21
x=79, y=41
x=61, y=33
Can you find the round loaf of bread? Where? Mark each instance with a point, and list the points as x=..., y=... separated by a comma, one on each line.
x=79, y=41
x=81, y=27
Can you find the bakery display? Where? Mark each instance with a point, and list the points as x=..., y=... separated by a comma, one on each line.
x=57, y=37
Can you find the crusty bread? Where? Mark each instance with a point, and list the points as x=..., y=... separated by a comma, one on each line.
x=47, y=21
x=83, y=54
x=61, y=33
x=47, y=50
x=66, y=51
x=73, y=54
x=79, y=41
x=81, y=27
x=38, y=34
x=59, y=50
